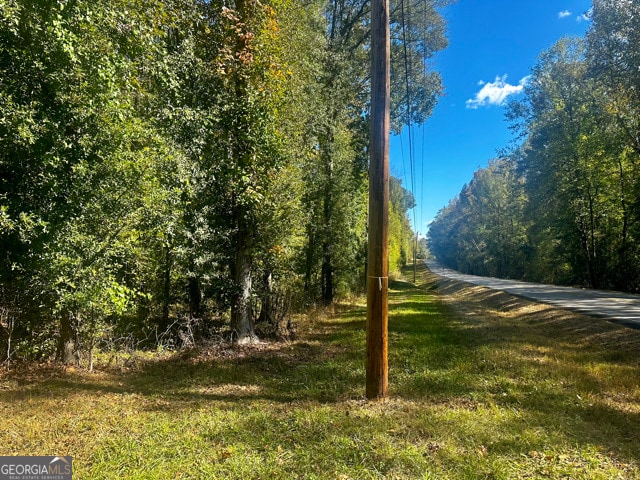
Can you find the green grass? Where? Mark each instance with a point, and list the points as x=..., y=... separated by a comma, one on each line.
x=471, y=397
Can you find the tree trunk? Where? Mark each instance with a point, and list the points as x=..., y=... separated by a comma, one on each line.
x=166, y=290
x=195, y=297
x=268, y=316
x=66, y=350
x=623, y=203
x=241, y=319
x=584, y=240
x=308, y=264
x=327, y=266
x=327, y=274
x=595, y=280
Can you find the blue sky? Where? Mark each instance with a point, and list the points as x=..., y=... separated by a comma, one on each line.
x=493, y=44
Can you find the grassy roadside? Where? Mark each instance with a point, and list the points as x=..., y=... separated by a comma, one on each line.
x=482, y=386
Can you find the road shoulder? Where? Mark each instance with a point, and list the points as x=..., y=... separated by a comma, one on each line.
x=483, y=306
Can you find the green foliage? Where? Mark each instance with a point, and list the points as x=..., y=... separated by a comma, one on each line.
x=401, y=237
x=339, y=130
x=417, y=32
x=167, y=160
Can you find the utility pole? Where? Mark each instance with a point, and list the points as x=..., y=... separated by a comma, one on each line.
x=415, y=254
x=378, y=254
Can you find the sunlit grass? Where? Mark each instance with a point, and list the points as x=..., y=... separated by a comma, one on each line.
x=486, y=392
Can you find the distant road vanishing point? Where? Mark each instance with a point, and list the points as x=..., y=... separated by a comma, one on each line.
x=618, y=307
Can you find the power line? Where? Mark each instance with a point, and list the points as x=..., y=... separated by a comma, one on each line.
x=412, y=168
x=424, y=66
x=408, y=97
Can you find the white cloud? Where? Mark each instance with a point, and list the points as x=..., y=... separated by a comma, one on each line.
x=496, y=92
x=564, y=14
x=583, y=18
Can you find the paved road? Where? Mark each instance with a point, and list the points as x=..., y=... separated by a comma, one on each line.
x=618, y=307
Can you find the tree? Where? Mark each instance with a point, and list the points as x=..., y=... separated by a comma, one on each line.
x=576, y=170
x=401, y=237
x=612, y=59
x=150, y=152
x=78, y=176
x=484, y=230
x=567, y=165
x=341, y=132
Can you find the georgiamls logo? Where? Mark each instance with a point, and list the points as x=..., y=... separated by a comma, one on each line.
x=35, y=468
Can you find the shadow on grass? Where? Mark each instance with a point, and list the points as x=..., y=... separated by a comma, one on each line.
x=326, y=366
x=572, y=375
x=436, y=357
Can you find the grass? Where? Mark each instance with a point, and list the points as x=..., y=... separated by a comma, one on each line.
x=482, y=385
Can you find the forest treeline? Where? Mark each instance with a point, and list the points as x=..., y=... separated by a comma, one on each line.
x=564, y=205
x=179, y=167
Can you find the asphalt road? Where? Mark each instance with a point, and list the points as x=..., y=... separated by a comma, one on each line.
x=618, y=307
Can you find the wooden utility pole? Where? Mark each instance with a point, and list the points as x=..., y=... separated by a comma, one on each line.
x=378, y=254
x=415, y=254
